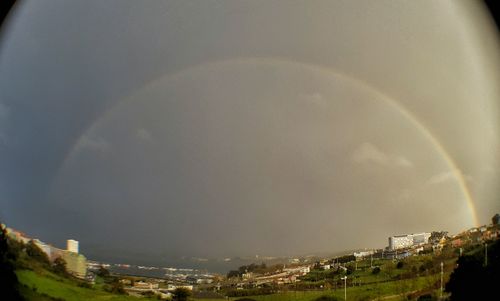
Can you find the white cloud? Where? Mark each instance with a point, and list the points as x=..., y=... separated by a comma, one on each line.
x=403, y=162
x=93, y=143
x=441, y=178
x=143, y=134
x=368, y=152
x=447, y=176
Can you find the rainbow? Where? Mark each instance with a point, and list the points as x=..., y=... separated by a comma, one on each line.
x=283, y=61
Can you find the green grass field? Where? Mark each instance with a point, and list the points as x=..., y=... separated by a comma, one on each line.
x=394, y=290
x=47, y=284
x=41, y=285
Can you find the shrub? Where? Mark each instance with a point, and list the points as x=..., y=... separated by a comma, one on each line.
x=326, y=298
x=103, y=272
x=115, y=287
x=59, y=266
x=181, y=294
x=148, y=294
x=36, y=253
x=84, y=284
x=426, y=297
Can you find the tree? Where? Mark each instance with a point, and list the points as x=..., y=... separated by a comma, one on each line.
x=413, y=271
x=9, y=285
x=426, y=297
x=103, y=272
x=181, y=294
x=59, y=266
x=233, y=273
x=436, y=236
x=114, y=286
x=400, y=265
x=36, y=253
x=495, y=220
x=472, y=280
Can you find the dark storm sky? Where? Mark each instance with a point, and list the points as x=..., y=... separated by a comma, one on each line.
x=222, y=128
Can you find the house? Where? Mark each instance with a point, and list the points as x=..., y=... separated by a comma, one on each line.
x=146, y=285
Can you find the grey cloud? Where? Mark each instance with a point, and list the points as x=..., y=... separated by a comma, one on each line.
x=4, y=114
x=87, y=142
x=144, y=134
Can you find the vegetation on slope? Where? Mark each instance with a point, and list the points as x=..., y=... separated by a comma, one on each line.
x=27, y=274
x=9, y=285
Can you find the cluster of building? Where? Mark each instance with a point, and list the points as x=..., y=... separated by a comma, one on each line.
x=76, y=263
x=286, y=275
x=159, y=287
x=360, y=255
x=477, y=235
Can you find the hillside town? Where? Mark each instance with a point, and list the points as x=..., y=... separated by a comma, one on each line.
x=258, y=278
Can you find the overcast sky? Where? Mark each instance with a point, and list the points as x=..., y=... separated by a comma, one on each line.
x=223, y=128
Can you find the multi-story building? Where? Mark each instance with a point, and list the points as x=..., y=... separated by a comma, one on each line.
x=363, y=254
x=408, y=240
x=421, y=238
x=76, y=264
x=400, y=241
x=72, y=245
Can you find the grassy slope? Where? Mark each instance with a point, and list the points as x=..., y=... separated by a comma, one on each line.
x=385, y=287
x=365, y=292
x=55, y=286
x=59, y=287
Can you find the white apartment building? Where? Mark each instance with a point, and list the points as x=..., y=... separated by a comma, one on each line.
x=408, y=240
x=72, y=245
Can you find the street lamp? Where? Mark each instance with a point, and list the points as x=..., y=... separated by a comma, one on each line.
x=441, y=297
x=485, y=254
x=345, y=287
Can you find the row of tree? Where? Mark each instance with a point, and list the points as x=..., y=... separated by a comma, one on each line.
x=253, y=268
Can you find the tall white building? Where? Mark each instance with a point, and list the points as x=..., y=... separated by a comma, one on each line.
x=400, y=242
x=408, y=240
x=72, y=245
